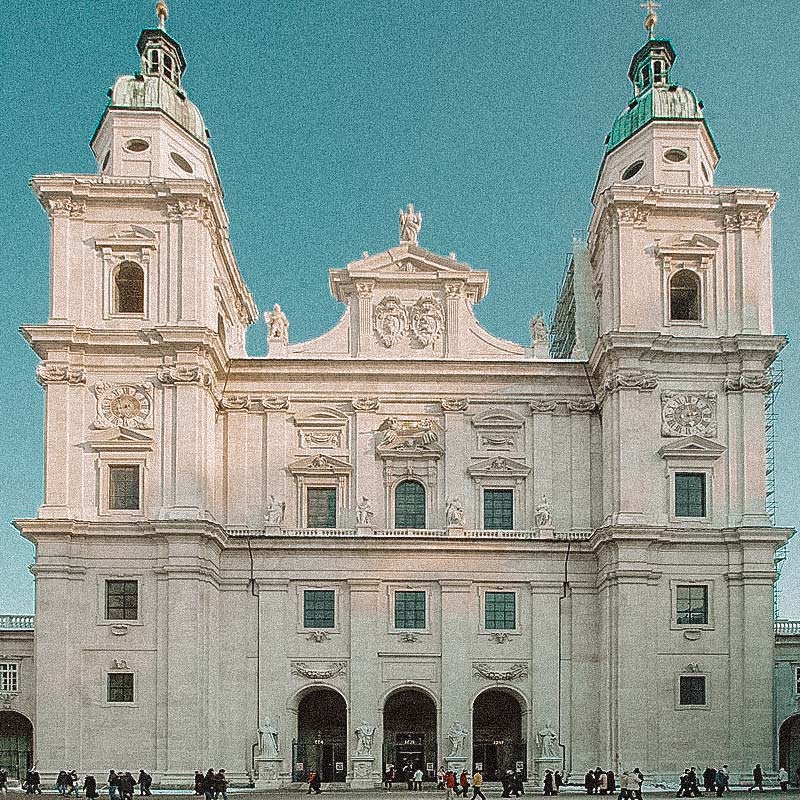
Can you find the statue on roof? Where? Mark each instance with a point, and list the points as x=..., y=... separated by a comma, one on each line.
x=278, y=325
x=538, y=329
x=410, y=224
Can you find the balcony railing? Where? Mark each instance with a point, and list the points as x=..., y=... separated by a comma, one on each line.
x=787, y=627
x=16, y=622
x=394, y=533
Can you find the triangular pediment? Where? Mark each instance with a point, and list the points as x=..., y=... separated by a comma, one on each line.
x=692, y=447
x=320, y=465
x=499, y=465
x=120, y=439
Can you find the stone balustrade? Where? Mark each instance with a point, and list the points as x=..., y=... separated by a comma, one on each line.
x=787, y=627
x=422, y=533
x=16, y=622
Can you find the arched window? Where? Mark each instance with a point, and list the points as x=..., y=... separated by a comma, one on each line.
x=168, y=68
x=684, y=296
x=154, y=62
x=129, y=289
x=409, y=505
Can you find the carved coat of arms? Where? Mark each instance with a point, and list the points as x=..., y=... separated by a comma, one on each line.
x=427, y=320
x=389, y=321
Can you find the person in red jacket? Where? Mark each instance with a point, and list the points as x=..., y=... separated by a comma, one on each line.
x=449, y=783
x=463, y=782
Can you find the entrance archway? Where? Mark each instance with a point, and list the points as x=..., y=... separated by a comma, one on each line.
x=16, y=744
x=789, y=745
x=409, y=733
x=498, y=734
x=321, y=736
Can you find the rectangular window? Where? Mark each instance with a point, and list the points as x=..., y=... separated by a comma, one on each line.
x=8, y=677
x=501, y=611
x=691, y=605
x=321, y=508
x=122, y=600
x=319, y=608
x=409, y=610
x=120, y=687
x=693, y=690
x=690, y=494
x=796, y=680
x=498, y=509
x=123, y=488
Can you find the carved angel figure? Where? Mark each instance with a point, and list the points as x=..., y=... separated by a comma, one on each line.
x=278, y=325
x=410, y=224
x=268, y=739
x=538, y=329
x=275, y=511
x=456, y=735
x=544, y=519
x=364, y=734
x=364, y=513
x=548, y=741
x=454, y=513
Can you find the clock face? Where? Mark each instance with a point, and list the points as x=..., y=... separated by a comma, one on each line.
x=687, y=414
x=125, y=406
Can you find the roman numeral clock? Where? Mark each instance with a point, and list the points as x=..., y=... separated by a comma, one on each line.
x=688, y=414
x=123, y=406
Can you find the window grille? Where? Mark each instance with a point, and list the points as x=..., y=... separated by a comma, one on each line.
x=409, y=505
x=500, y=611
x=409, y=610
x=319, y=608
x=498, y=509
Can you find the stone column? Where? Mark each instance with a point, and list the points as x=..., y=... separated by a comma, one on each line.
x=458, y=628
x=362, y=340
x=455, y=301
x=364, y=711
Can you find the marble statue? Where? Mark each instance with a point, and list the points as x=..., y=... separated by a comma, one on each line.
x=538, y=329
x=410, y=224
x=544, y=519
x=364, y=734
x=548, y=741
x=364, y=513
x=457, y=735
x=275, y=511
x=454, y=513
x=268, y=739
x=278, y=325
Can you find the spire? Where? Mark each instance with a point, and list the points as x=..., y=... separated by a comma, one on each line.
x=651, y=19
x=162, y=12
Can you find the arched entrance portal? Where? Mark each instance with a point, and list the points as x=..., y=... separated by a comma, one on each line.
x=409, y=733
x=16, y=744
x=789, y=745
x=498, y=734
x=321, y=736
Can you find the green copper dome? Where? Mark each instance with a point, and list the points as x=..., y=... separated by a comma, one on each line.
x=655, y=97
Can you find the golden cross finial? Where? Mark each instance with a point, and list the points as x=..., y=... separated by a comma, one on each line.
x=652, y=18
x=162, y=12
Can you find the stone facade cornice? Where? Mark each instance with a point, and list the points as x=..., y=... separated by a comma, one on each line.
x=636, y=535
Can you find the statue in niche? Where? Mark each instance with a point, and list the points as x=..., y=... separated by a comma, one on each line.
x=457, y=735
x=364, y=513
x=548, y=741
x=544, y=519
x=364, y=735
x=410, y=224
x=275, y=511
x=454, y=513
x=278, y=325
x=268, y=739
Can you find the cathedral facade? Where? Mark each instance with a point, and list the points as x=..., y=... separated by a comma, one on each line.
x=405, y=542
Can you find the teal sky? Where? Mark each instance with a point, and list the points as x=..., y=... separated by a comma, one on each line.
x=326, y=117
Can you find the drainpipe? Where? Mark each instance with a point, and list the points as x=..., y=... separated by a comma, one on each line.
x=564, y=591
x=252, y=586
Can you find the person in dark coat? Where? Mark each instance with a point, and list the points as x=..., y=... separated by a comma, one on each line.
x=558, y=780
x=316, y=782
x=208, y=785
x=549, y=787
x=589, y=782
x=709, y=779
x=611, y=782
x=90, y=787
x=198, y=782
x=221, y=785
x=518, y=784
x=758, y=779
x=144, y=781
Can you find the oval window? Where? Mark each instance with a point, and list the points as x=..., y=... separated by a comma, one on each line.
x=182, y=162
x=676, y=156
x=137, y=145
x=632, y=170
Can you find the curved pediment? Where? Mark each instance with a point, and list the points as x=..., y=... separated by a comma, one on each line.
x=498, y=418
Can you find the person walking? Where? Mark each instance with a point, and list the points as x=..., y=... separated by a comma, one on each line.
x=602, y=782
x=316, y=782
x=3, y=782
x=758, y=779
x=71, y=783
x=388, y=777
x=683, y=791
x=558, y=780
x=588, y=782
x=198, y=782
x=463, y=783
x=113, y=785
x=449, y=784
x=477, y=782
x=221, y=785
x=783, y=779
x=90, y=787
x=143, y=781
x=549, y=786
x=709, y=779
x=623, y=786
x=611, y=782
x=635, y=783
x=722, y=780
x=418, y=776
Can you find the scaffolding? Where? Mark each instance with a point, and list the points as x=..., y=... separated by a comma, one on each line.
x=562, y=322
x=770, y=419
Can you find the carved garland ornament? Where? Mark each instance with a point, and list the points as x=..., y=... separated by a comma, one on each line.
x=124, y=405
x=334, y=669
x=48, y=372
x=366, y=404
x=514, y=672
x=760, y=382
x=184, y=373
